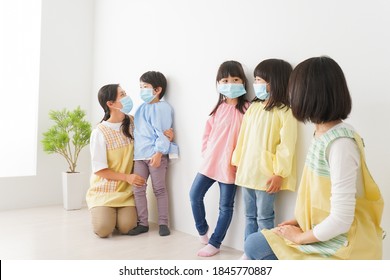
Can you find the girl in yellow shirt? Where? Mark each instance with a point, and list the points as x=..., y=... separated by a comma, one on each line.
x=265, y=150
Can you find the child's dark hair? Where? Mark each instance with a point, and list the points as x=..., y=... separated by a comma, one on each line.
x=156, y=79
x=109, y=93
x=234, y=69
x=276, y=73
x=318, y=91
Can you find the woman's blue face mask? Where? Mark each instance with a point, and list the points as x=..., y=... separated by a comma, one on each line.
x=127, y=104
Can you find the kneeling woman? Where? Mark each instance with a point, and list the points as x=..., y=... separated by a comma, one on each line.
x=339, y=206
x=110, y=196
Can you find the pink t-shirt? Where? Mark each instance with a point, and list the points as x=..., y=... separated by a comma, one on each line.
x=219, y=140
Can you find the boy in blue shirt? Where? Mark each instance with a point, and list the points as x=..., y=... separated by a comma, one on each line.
x=152, y=149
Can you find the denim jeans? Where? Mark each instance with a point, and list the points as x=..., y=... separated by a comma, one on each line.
x=256, y=247
x=198, y=190
x=259, y=210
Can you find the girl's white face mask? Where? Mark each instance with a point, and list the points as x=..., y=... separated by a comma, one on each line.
x=231, y=90
x=261, y=91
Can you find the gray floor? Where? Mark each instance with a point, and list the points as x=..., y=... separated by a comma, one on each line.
x=52, y=233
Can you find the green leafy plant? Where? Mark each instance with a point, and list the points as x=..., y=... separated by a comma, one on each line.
x=68, y=136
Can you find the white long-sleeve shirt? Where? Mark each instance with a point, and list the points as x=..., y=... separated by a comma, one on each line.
x=346, y=178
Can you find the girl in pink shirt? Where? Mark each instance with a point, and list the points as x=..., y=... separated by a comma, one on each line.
x=219, y=141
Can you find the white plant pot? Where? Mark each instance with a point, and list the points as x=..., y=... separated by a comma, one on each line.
x=73, y=189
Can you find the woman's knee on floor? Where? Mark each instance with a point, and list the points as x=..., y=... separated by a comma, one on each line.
x=127, y=219
x=103, y=230
x=103, y=220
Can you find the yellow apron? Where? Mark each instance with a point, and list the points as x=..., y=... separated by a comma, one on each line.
x=363, y=240
x=120, y=154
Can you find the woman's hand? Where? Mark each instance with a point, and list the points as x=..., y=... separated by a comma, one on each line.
x=274, y=184
x=135, y=180
x=132, y=179
x=290, y=232
x=169, y=134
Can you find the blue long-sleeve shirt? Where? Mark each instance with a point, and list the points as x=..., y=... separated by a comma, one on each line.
x=151, y=120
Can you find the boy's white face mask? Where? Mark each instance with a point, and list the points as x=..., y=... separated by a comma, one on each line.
x=147, y=95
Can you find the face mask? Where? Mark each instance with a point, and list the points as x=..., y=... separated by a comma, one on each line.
x=127, y=104
x=147, y=94
x=231, y=90
x=261, y=91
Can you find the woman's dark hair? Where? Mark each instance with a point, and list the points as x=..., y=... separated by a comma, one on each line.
x=156, y=79
x=234, y=69
x=276, y=73
x=110, y=93
x=318, y=91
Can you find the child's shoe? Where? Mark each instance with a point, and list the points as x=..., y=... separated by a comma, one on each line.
x=164, y=230
x=138, y=230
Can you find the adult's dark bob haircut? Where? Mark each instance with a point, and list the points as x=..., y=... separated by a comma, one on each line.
x=318, y=91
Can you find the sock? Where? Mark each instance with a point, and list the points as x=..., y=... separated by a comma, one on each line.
x=208, y=251
x=204, y=239
x=244, y=257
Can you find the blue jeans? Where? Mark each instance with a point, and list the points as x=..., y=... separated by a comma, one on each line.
x=259, y=210
x=256, y=247
x=198, y=190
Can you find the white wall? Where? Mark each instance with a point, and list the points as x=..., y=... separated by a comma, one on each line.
x=65, y=82
x=188, y=40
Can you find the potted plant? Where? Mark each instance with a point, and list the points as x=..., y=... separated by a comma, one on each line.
x=67, y=137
